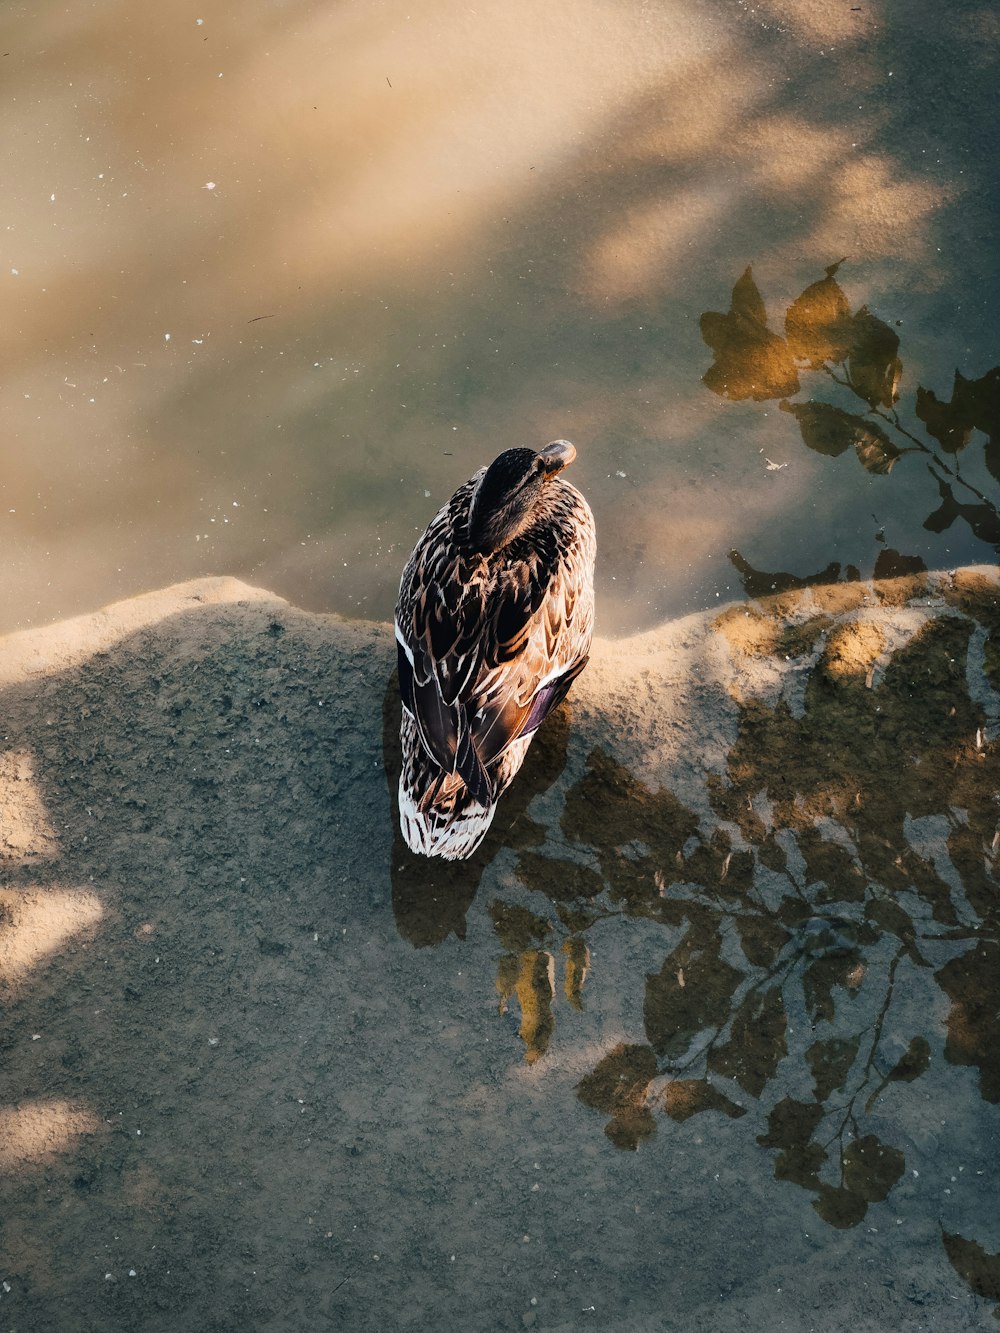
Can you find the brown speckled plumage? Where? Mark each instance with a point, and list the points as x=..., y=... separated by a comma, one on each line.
x=489, y=644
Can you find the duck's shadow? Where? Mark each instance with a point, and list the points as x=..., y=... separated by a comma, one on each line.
x=430, y=896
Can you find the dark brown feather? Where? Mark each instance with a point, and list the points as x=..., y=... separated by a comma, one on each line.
x=487, y=632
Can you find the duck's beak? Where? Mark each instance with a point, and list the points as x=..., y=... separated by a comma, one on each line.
x=555, y=456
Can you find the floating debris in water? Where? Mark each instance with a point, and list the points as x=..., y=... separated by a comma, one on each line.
x=828, y=937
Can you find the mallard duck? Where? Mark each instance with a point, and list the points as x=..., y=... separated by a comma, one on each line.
x=493, y=624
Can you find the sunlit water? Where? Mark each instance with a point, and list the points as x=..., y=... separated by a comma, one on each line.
x=278, y=277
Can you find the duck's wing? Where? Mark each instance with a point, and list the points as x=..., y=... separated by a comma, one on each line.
x=486, y=653
x=460, y=649
x=541, y=636
x=440, y=609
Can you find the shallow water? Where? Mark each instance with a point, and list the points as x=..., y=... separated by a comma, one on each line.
x=703, y=1036
x=279, y=276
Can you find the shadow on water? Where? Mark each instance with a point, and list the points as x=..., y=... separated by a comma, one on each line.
x=387, y=265
x=217, y=1043
x=855, y=844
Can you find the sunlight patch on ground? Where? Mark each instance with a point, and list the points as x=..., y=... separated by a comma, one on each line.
x=37, y=923
x=58, y=647
x=37, y=1131
x=26, y=832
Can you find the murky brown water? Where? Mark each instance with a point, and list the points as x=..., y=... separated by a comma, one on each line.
x=278, y=276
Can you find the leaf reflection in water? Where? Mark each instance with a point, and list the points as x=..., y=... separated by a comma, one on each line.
x=859, y=352
x=808, y=895
x=750, y=360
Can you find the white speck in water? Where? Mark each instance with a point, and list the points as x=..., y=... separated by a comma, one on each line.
x=131, y=1272
x=166, y=337
x=620, y=474
x=199, y=22
x=213, y=1041
x=14, y=272
x=52, y=198
x=210, y=185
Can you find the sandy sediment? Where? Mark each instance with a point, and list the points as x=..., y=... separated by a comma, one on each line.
x=266, y=1069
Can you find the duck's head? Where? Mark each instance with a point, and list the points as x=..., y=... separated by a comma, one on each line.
x=510, y=488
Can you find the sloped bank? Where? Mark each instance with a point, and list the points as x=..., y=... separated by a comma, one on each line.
x=739, y=911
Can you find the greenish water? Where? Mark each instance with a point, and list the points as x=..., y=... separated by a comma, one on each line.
x=279, y=277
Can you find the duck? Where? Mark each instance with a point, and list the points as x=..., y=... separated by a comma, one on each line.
x=493, y=624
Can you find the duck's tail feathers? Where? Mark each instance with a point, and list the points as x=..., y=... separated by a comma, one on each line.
x=450, y=829
x=470, y=768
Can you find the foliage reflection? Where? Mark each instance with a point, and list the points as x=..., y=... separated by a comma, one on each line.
x=852, y=847
x=856, y=355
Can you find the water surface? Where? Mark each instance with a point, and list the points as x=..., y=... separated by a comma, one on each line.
x=279, y=276
x=703, y=1036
